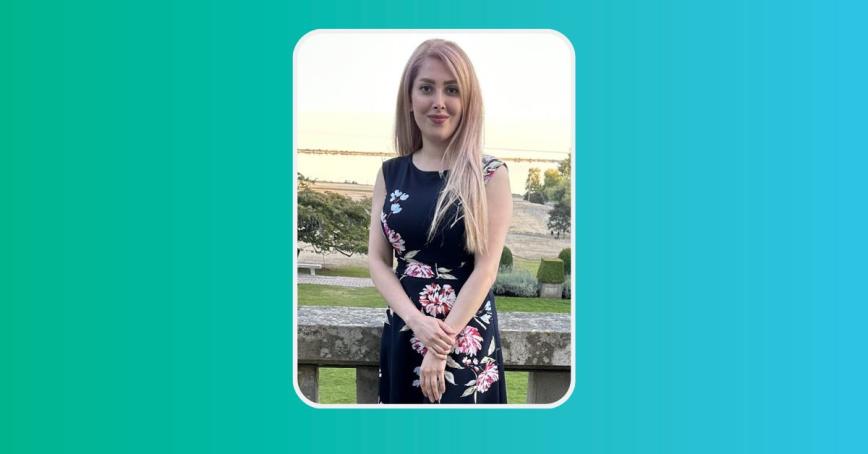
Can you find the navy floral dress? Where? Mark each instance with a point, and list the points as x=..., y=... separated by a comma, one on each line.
x=432, y=275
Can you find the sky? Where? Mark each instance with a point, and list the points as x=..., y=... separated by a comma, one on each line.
x=346, y=82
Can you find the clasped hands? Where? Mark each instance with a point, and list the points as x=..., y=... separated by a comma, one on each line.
x=438, y=338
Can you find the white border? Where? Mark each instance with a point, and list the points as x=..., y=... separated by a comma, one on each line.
x=573, y=153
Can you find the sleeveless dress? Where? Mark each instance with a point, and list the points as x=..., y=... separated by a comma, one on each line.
x=432, y=275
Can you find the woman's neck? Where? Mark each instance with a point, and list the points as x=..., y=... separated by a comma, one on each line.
x=431, y=157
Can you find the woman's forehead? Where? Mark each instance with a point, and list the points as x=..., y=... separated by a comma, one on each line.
x=434, y=70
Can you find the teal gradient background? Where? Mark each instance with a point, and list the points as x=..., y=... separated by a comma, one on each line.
x=145, y=230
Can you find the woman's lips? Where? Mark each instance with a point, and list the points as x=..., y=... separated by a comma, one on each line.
x=438, y=119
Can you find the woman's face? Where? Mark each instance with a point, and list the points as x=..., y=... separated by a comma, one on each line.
x=436, y=101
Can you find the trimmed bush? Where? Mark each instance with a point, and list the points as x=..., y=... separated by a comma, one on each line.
x=517, y=283
x=536, y=197
x=506, y=259
x=565, y=256
x=551, y=271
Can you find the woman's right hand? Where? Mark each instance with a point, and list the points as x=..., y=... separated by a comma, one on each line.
x=434, y=333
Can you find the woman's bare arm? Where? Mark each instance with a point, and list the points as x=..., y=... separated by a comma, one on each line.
x=499, y=199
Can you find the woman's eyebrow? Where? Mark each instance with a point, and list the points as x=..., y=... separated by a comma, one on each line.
x=431, y=81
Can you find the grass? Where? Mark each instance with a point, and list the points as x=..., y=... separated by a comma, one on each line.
x=338, y=386
x=346, y=271
x=525, y=264
x=332, y=295
x=361, y=271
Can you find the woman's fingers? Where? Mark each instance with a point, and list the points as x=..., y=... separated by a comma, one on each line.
x=431, y=385
x=424, y=385
x=448, y=329
x=438, y=354
x=440, y=346
x=435, y=388
x=441, y=349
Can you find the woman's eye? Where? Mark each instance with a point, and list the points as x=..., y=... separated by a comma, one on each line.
x=425, y=88
x=452, y=90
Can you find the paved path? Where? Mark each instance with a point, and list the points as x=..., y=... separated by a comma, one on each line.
x=335, y=280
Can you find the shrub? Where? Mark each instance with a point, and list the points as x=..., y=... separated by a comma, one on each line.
x=517, y=283
x=506, y=259
x=536, y=197
x=565, y=256
x=551, y=271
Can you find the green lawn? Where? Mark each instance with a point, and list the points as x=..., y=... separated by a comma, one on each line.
x=338, y=386
x=347, y=271
x=531, y=266
x=330, y=295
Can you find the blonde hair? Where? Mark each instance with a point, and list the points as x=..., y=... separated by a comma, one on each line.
x=464, y=182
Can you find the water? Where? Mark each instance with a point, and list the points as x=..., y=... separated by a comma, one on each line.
x=362, y=169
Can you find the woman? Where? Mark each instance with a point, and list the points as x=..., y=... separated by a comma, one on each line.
x=442, y=208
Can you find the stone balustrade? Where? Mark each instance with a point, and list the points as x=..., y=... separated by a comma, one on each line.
x=350, y=337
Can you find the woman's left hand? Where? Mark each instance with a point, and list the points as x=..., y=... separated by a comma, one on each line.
x=432, y=376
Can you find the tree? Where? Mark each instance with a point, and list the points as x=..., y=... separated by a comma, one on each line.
x=551, y=178
x=558, y=183
x=533, y=183
x=559, y=219
x=333, y=222
x=303, y=182
x=565, y=166
x=553, y=186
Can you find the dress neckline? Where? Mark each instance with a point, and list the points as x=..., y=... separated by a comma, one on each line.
x=428, y=172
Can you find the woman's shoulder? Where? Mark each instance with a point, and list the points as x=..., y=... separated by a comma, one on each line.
x=489, y=165
x=392, y=163
x=392, y=169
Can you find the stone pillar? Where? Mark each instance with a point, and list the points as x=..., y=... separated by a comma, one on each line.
x=545, y=386
x=551, y=290
x=367, y=384
x=308, y=381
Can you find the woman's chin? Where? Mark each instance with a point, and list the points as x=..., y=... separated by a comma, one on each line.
x=439, y=137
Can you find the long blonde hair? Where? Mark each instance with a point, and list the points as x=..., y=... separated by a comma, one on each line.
x=464, y=182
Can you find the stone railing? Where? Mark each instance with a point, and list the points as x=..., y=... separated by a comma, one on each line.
x=350, y=337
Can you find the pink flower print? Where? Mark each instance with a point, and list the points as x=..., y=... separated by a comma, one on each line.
x=418, y=346
x=486, y=377
x=393, y=236
x=489, y=167
x=416, y=269
x=436, y=302
x=469, y=341
x=396, y=240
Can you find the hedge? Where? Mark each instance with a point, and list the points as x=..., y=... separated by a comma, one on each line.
x=551, y=271
x=506, y=259
x=517, y=283
x=565, y=256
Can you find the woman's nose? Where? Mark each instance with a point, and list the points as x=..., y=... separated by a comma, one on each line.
x=439, y=101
